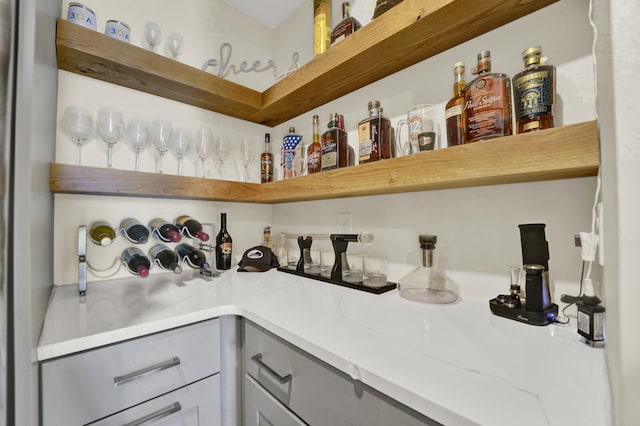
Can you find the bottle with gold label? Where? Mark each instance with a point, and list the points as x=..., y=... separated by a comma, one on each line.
x=534, y=92
x=335, y=146
x=321, y=25
x=314, y=150
x=487, y=103
x=374, y=135
x=454, y=108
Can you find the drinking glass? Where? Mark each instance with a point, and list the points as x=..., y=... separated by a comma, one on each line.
x=110, y=127
x=175, y=44
x=311, y=259
x=152, y=34
x=77, y=124
x=351, y=267
x=161, y=136
x=204, y=140
x=248, y=151
x=180, y=145
x=137, y=137
x=374, y=270
x=222, y=149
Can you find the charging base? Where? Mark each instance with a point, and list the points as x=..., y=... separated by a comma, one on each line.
x=522, y=315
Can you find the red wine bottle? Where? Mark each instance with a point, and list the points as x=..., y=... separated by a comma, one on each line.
x=165, y=258
x=224, y=245
x=135, y=231
x=165, y=231
x=192, y=256
x=136, y=261
x=191, y=228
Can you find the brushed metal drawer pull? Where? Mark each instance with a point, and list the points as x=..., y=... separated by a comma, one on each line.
x=156, y=415
x=257, y=358
x=121, y=380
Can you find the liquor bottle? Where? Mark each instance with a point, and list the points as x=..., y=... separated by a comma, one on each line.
x=374, y=135
x=291, y=154
x=335, y=147
x=321, y=25
x=266, y=161
x=487, y=103
x=136, y=261
x=192, y=256
x=224, y=245
x=135, y=231
x=101, y=233
x=266, y=237
x=534, y=92
x=191, y=228
x=165, y=258
x=346, y=27
x=165, y=231
x=382, y=6
x=453, y=109
x=314, y=150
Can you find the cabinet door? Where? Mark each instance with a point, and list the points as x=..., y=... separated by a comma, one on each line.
x=195, y=405
x=262, y=409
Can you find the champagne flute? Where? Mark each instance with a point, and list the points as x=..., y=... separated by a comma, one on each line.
x=110, y=127
x=161, y=136
x=175, y=44
x=248, y=151
x=77, y=124
x=222, y=149
x=180, y=145
x=204, y=139
x=152, y=34
x=137, y=137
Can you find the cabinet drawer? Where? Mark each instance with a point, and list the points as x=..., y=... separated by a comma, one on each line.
x=262, y=409
x=315, y=391
x=195, y=405
x=91, y=385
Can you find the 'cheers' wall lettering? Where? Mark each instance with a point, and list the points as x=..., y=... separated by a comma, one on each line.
x=226, y=67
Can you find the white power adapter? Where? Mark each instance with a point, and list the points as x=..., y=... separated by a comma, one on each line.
x=589, y=244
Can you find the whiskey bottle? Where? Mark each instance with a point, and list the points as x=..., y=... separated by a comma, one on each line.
x=487, y=103
x=346, y=27
x=224, y=246
x=291, y=154
x=335, y=147
x=374, y=135
x=453, y=109
x=314, y=150
x=534, y=92
x=266, y=161
x=321, y=25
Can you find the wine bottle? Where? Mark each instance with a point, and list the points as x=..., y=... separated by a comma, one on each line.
x=191, y=228
x=224, y=245
x=266, y=161
x=165, y=258
x=192, y=256
x=136, y=261
x=135, y=231
x=101, y=233
x=165, y=231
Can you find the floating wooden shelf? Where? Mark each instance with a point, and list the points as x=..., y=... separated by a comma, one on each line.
x=407, y=34
x=559, y=153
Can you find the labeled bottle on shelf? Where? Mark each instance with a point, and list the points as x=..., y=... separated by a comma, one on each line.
x=191, y=228
x=291, y=154
x=101, y=233
x=136, y=261
x=454, y=108
x=487, y=103
x=266, y=161
x=266, y=237
x=534, y=91
x=192, y=256
x=374, y=135
x=335, y=146
x=314, y=150
x=134, y=230
x=321, y=25
x=165, y=231
x=224, y=245
x=165, y=258
x=346, y=27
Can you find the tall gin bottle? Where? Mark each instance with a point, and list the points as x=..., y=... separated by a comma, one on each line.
x=454, y=108
x=534, y=92
x=487, y=103
x=374, y=135
x=335, y=147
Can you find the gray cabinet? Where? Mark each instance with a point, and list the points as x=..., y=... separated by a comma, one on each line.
x=260, y=408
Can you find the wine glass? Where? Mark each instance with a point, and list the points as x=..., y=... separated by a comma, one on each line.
x=110, y=127
x=152, y=34
x=181, y=142
x=161, y=136
x=248, y=151
x=222, y=149
x=77, y=124
x=175, y=44
x=204, y=139
x=137, y=137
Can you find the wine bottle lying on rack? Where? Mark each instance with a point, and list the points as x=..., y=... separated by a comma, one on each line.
x=136, y=261
x=191, y=228
x=164, y=231
x=101, y=233
x=165, y=258
x=135, y=231
x=192, y=256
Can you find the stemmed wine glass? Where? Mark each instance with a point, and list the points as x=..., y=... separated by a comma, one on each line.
x=77, y=124
x=110, y=127
x=175, y=44
x=222, y=149
x=204, y=139
x=248, y=151
x=137, y=137
x=161, y=136
x=152, y=34
x=181, y=142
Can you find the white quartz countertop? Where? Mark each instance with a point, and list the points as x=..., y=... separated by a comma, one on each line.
x=458, y=364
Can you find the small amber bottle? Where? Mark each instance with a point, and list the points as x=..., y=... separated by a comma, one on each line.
x=454, y=108
x=534, y=92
